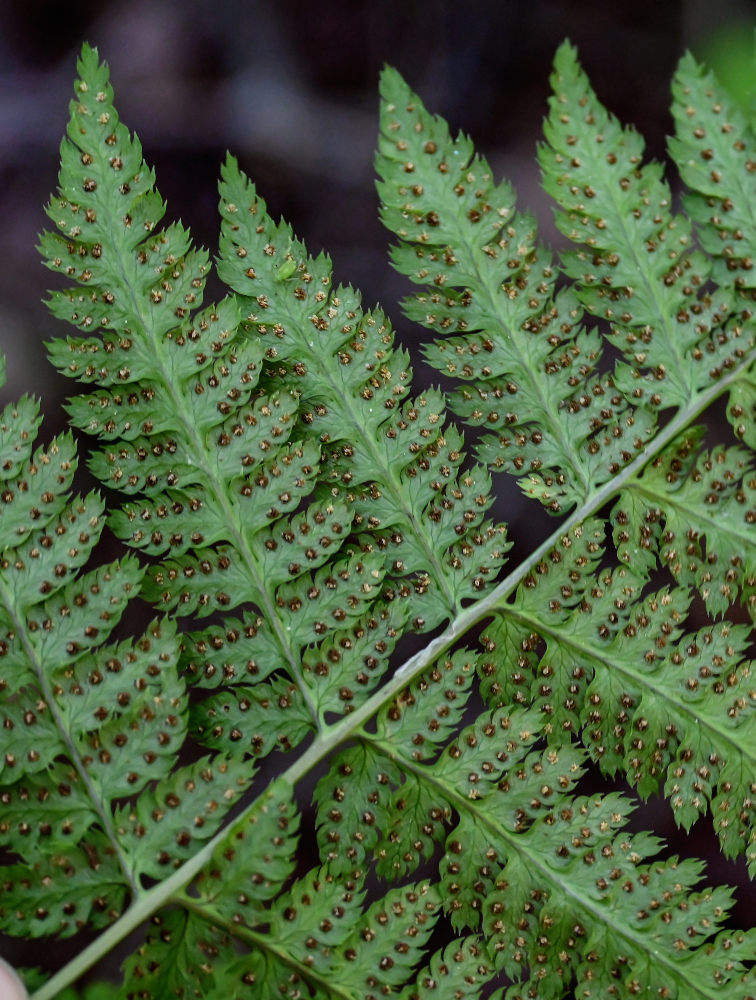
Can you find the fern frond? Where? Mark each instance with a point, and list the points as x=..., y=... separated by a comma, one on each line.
x=460, y=970
x=714, y=148
x=700, y=519
x=393, y=459
x=522, y=853
x=651, y=701
x=299, y=513
x=530, y=370
x=219, y=471
x=637, y=265
x=174, y=956
x=317, y=932
x=89, y=723
x=60, y=722
x=323, y=943
x=687, y=510
x=213, y=459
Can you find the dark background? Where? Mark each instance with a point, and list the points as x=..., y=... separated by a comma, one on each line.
x=290, y=87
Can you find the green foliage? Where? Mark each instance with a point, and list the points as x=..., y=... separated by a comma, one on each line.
x=296, y=512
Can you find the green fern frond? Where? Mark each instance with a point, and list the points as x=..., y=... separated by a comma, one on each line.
x=179, y=388
x=317, y=932
x=391, y=457
x=530, y=370
x=687, y=510
x=369, y=953
x=297, y=514
x=714, y=149
x=88, y=722
x=460, y=970
x=524, y=852
x=219, y=471
x=174, y=956
x=700, y=520
x=637, y=265
x=68, y=708
x=650, y=701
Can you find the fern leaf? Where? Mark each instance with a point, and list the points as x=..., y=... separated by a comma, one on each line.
x=329, y=668
x=350, y=798
x=713, y=147
x=19, y=423
x=177, y=391
x=366, y=956
x=529, y=369
x=665, y=514
x=128, y=705
x=700, y=519
x=254, y=719
x=40, y=478
x=218, y=470
x=519, y=828
x=372, y=953
x=387, y=939
x=460, y=970
x=51, y=614
x=398, y=466
x=92, y=721
x=331, y=905
x=63, y=892
x=299, y=513
x=317, y=929
x=637, y=266
x=649, y=700
x=168, y=821
x=174, y=958
x=253, y=860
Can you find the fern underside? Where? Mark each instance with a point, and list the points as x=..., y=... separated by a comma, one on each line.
x=296, y=512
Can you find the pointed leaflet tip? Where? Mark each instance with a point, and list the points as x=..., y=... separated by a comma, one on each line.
x=392, y=83
x=89, y=60
x=565, y=55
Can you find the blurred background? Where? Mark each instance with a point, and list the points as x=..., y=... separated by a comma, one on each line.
x=290, y=87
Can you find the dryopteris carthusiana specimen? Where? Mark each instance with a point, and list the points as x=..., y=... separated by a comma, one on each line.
x=279, y=479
